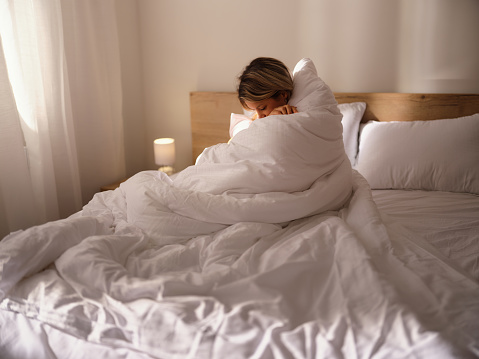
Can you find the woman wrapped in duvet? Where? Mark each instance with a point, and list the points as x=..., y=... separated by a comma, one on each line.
x=289, y=162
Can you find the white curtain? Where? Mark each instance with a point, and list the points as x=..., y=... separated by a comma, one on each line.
x=61, y=127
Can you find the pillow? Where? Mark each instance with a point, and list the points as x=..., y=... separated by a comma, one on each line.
x=352, y=115
x=238, y=123
x=440, y=155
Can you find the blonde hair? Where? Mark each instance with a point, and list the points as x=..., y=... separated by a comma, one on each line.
x=262, y=79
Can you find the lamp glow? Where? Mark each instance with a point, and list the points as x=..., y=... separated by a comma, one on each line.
x=165, y=154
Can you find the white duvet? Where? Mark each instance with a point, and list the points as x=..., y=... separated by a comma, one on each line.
x=270, y=247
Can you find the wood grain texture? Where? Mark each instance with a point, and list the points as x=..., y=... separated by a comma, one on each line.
x=210, y=118
x=210, y=111
x=386, y=107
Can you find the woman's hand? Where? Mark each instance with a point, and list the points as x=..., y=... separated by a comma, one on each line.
x=284, y=110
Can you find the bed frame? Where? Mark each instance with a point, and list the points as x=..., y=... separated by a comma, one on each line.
x=210, y=111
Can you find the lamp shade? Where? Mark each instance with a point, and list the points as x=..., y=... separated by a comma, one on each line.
x=164, y=151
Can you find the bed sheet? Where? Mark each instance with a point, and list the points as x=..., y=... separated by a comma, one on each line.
x=444, y=223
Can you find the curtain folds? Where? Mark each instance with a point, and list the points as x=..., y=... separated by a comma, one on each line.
x=60, y=108
x=15, y=185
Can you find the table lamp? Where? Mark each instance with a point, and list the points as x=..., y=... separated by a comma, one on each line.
x=165, y=154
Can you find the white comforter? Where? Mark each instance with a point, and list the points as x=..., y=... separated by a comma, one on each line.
x=259, y=251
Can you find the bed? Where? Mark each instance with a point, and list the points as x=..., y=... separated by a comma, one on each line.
x=343, y=231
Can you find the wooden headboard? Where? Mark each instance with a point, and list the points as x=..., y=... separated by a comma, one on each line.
x=210, y=111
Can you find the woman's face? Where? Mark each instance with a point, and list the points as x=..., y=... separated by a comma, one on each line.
x=263, y=108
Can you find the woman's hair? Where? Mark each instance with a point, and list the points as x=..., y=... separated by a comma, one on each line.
x=264, y=78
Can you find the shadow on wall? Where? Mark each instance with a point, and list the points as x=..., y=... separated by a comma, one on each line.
x=407, y=46
x=438, y=47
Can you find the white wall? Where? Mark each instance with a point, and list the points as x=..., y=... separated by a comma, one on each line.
x=353, y=43
x=439, y=46
x=366, y=46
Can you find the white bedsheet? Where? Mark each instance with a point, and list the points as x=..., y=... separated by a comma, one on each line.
x=449, y=222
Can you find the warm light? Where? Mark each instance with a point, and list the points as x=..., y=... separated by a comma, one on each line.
x=26, y=85
x=165, y=154
x=164, y=141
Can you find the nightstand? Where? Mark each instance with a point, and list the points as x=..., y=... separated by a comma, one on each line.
x=112, y=186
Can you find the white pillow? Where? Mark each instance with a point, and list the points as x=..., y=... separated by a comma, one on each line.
x=440, y=155
x=352, y=115
x=238, y=123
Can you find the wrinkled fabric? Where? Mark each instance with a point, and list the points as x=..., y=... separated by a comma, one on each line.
x=324, y=286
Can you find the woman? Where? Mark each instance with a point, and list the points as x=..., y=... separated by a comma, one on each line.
x=265, y=86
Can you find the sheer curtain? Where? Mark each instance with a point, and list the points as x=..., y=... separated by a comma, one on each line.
x=61, y=127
